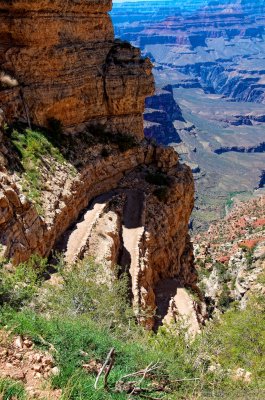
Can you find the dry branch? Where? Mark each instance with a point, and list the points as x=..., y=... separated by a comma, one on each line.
x=151, y=367
x=110, y=358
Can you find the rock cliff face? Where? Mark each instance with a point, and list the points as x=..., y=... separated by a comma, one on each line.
x=93, y=196
x=147, y=234
x=64, y=57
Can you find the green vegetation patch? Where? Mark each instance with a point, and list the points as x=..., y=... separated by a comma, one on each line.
x=82, y=317
x=157, y=178
x=230, y=199
x=240, y=339
x=36, y=154
x=72, y=336
x=10, y=389
x=99, y=134
x=18, y=287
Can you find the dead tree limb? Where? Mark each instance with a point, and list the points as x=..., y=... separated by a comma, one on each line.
x=145, y=372
x=185, y=379
x=151, y=367
x=110, y=358
x=109, y=368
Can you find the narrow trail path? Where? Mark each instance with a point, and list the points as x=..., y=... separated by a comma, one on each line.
x=76, y=239
x=172, y=299
x=132, y=231
x=184, y=304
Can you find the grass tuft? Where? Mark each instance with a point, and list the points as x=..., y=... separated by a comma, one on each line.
x=11, y=390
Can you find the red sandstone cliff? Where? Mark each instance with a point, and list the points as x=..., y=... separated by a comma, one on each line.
x=64, y=58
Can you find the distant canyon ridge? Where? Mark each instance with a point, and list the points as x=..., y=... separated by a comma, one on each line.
x=209, y=64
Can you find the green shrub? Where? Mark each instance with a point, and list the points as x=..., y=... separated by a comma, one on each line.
x=224, y=299
x=85, y=290
x=248, y=256
x=223, y=272
x=157, y=178
x=161, y=193
x=18, y=287
x=240, y=338
x=202, y=271
x=35, y=152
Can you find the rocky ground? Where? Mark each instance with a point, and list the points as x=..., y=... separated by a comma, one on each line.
x=230, y=256
x=21, y=361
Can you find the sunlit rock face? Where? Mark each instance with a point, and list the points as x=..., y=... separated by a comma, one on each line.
x=68, y=66
x=122, y=201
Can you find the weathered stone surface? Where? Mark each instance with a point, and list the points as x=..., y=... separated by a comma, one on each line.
x=64, y=58
x=56, y=5
x=165, y=245
x=5, y=209
x=20, y=361
x=81, y=76
x=152, y=233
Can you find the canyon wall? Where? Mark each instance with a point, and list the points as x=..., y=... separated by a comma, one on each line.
x=63, y=57
x=122, y=205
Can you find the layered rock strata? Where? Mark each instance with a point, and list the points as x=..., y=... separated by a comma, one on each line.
x=230, y=256
x=134, y=198
x=63, y=58
x=148, y=235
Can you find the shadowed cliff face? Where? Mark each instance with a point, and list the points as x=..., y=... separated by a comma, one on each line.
x=64, y=58
x=99, y=192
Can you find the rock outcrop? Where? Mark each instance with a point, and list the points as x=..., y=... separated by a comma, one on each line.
x=105, y=191
x=62, y=58
x=153, y=246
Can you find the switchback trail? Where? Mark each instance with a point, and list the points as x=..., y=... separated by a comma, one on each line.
x=173, y=300
x=132, y=231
